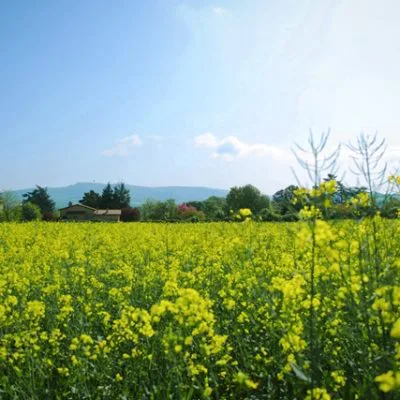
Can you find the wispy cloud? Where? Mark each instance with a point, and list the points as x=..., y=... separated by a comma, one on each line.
x=220, y=11
x=231, y=148
x=124, y=146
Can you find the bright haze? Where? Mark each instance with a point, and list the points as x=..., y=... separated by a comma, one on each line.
x=189, y=92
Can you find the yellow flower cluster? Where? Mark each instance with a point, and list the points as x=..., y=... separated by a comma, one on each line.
x=361, y=200
x=244, y=214
x=395, y=179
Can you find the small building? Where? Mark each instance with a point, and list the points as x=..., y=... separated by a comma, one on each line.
x=77, y=212
x=80, y=212
x=107, y=215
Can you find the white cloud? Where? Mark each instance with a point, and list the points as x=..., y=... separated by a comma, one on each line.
x=230, y=148
x=206, y=140
x=220, y=11
x=124, y=146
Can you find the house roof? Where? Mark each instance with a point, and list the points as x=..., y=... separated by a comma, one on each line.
x=79, y=205
x=107, y=212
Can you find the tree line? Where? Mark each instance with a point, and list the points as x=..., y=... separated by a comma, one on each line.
x=38, y=204
x=241, y=202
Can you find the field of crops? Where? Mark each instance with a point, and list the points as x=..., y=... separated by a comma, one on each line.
x=189, y=311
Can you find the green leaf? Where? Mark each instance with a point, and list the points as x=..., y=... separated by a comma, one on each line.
x=299, y=373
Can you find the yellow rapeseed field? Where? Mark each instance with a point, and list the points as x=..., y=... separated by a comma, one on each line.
x=189, y=311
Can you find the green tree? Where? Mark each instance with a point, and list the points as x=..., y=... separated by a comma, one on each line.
x=170, y=209
x=30, y=212
x=41, y=198
x=146, y=209
x=163, y=210
x=122, y=197
x=152, y=210
x=214, y=208
x=10, y=206
x=283, y=201
x=198, y=205
x=91, y=199
x=247, y=196
x=107, y=197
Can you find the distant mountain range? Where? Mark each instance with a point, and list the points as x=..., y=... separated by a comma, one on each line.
x=139, y=194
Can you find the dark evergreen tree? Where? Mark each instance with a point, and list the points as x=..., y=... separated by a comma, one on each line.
x=91, y=199
x=122, y=197
x=107, y=197
x=41, y=198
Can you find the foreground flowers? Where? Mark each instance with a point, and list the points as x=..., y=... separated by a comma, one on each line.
x=199, y=311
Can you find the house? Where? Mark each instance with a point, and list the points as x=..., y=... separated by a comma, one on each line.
x=77, y=212
x=107, y=215
x=80, y=212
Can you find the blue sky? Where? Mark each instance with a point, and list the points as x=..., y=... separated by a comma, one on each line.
x=190, y=92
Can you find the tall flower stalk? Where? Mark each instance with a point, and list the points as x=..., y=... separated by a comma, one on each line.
x=315, y=160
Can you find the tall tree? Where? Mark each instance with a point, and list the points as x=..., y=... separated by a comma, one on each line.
x=91, y=199
x=122, y=197
x=107, y=197
x=41, y=198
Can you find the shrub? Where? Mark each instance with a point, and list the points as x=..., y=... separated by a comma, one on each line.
x=290, y=217
x=130, y=214
x=341, y=211
x=267, y=214
x=186, y=212
x=14, y=214
x=51, y=216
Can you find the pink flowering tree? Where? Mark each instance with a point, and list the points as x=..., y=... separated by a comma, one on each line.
x=186, y=212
